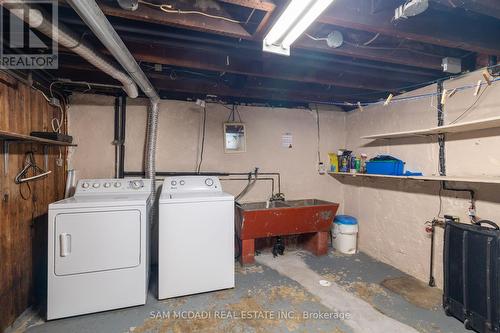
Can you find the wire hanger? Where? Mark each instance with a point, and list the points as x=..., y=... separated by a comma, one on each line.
x=30, y=165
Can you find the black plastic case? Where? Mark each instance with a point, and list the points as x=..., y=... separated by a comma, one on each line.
x=471, y=290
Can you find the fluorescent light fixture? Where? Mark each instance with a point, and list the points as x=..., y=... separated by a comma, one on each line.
x=296, y=18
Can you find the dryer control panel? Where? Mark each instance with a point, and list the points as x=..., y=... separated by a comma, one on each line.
x=102, y=186
x=191, y=184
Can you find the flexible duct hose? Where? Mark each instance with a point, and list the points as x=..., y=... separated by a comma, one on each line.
x=93, y=16
x=151, y=138
x=69, y=39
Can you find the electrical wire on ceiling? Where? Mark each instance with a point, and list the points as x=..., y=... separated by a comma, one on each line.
x=372, y=39
x=419, y=85
x=170, y=9
x=394, y=48
x=366, y=45
x=405, y=99
x=317, y=38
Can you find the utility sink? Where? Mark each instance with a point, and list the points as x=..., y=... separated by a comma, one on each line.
x=309, y=217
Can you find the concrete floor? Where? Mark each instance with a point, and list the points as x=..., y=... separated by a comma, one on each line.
x=268, y=296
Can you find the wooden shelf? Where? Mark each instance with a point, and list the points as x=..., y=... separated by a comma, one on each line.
x=11, y=136
x=465, y=179
x=468, y=126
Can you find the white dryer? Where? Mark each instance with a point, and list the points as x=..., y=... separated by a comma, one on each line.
x=196, y=237
x=98, y=243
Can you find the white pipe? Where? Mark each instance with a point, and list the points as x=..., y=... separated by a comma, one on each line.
x=92, y=15
x=69, y=39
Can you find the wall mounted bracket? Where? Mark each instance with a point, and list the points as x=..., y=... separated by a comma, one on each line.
x=6, y=150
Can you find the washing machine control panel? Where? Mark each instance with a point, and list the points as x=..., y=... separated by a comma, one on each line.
x=192, y=183
x=101, y=186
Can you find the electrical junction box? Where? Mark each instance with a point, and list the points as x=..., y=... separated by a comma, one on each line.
x=452, y=65
x=54, y=101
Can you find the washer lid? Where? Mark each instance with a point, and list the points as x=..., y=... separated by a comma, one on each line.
x=85, y=201
x=195, y=197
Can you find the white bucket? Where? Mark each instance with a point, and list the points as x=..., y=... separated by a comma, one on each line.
x=345, y=238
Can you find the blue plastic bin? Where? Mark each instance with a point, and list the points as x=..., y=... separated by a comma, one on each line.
x=391, y=167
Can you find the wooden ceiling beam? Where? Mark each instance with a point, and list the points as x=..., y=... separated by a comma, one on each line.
x=431, y=27
x=396, y=56
x=400, y=57
x=483, y=7
x=253, y=88
x=265, y=5
x=147, y=13
x=189, y=85
x=320, y=72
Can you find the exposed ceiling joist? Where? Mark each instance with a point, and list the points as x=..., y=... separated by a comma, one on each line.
x=401, y=56
x=253, y=88
x=265, y=5
x=430, y=27
x=321, y=72
x=395, y=56
x=188, y=21
x=484, y=7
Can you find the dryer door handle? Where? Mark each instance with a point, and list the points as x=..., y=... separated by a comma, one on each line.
x=65, y=244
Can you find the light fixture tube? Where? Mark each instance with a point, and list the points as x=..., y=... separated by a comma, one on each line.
x=296, y=18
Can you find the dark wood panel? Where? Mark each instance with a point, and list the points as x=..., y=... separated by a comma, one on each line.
x=484, y=7
x=23, y=110
x=195, y=22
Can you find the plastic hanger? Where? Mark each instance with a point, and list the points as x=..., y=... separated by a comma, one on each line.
x=30, y=164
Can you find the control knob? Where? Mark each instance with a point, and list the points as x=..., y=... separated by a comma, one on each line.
x=209, y=181
x=136, y=184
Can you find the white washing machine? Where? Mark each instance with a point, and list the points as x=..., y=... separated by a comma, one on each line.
x=98, y=243
x=196, y=237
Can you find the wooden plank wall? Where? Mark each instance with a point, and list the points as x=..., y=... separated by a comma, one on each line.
x=22, y=110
